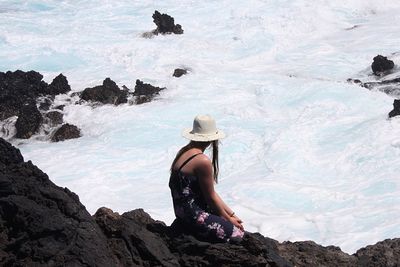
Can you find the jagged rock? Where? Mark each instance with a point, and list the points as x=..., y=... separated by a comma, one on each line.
x=59, y=85
x=108, y=93
x=42, y=224
x=65, y=132
x=383, y=254
x=9, y=154
x=133, y=243
x=308, y=253
x=28, y=122
x=381, y=64
x=396, y=108
x=165, y=24
x=45, y=103
x=145, y=92
x=54, y=117
x=389, y=86
x=179, y=72
x=19, y=87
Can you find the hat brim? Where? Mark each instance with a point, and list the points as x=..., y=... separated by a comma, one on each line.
x=187, y=133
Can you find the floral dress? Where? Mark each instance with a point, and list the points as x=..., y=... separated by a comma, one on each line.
x=191, y=208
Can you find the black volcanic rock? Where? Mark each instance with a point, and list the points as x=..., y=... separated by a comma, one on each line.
x=145, y=92
x=396, y=108
x=42, y=224
x=383, y=254
x=59, y=85
x=65, y=132
x=179, y=72
x=108, y=93
x=165, y=24
x=18, y=88
x=381, y=64
x=9, y=154
x=54, y=117
x=28, y=122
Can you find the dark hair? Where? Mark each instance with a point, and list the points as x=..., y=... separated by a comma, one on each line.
x=202, y=146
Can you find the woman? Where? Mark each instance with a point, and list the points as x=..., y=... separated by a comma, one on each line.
x=196, y=204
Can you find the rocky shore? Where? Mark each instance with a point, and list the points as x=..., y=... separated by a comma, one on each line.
x=42, y=224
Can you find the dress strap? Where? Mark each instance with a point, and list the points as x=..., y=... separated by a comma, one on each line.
x=186, y=161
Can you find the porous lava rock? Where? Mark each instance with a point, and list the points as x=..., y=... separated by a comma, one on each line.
x=179, y=72
x=381, y=65
x=29, y=121
x=54, y=118
x=396, y=108
x=108, y=93
x=383, y=254
x=145, y=92
x=18, y=88
x=42, y=224
x=65, y=132
x=308, y=253
x=165, y=24
x=59, y=85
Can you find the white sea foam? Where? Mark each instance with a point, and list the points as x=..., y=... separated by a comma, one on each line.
x=308, y=156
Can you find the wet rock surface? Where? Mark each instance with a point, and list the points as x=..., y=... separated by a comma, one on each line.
x=65, y=132
x=145, y=92
x=21, y=92
x=54, y=118
x=179, y=72
x=396, y=108
x=29, y=121
x=108, y=93
x=42, y=224
x=381, y=64
x=165, y=24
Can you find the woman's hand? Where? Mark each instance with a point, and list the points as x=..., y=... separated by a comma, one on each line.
x=236, y=222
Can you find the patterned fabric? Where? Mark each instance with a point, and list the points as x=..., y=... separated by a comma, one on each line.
x=191, y=208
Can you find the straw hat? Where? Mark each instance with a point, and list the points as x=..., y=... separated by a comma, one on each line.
x=204, y=130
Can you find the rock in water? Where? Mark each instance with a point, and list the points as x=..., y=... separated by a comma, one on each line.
x=179, y=72
x=66, y=131
x=59, y=85
x=396, y=108
x=18, y=88
x=381, y=64
x=108, y=93
x=54, y=118
x=145, y=92
x=165, y=24
x=28, y=122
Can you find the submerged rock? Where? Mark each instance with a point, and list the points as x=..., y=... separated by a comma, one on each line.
x=65, y=132
x=179, y=72
x=381, y=64
x=28, y=122
x=396, y=108
x=108, y=93
x=165, y=24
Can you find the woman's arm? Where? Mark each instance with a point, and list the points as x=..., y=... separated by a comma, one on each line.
x=214, y=201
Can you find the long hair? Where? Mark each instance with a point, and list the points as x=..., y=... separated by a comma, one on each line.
x=202, y=146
